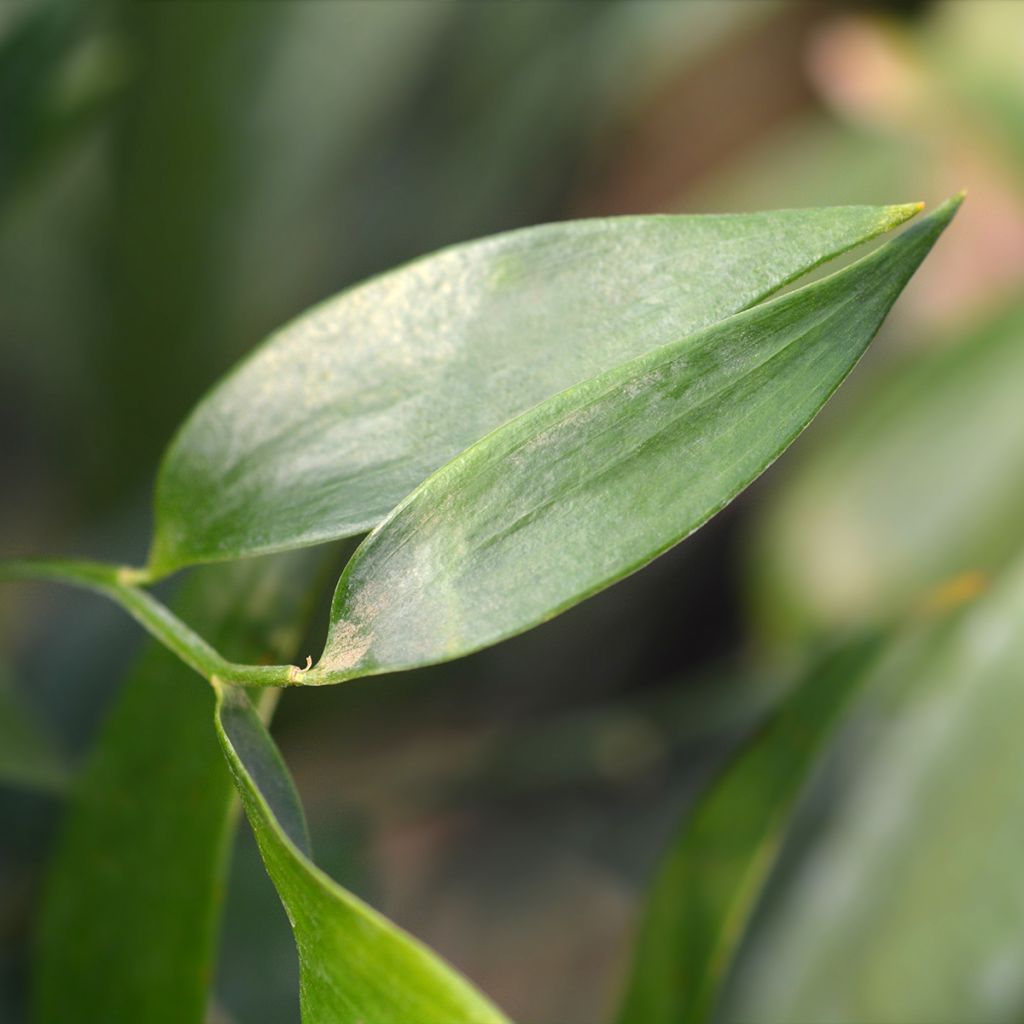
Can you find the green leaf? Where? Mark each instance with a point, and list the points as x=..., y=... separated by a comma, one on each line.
x=709, y=884
x=880, y=511
x=596, y=482
x=28, y=754
x=128, y=925
x=341, y=413
x=902, y=898
x=355, y=966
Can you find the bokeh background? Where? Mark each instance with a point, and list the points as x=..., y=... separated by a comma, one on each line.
x=177, y=179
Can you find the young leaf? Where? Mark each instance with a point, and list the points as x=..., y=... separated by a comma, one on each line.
x=596, y=482
x=903, y=901
x=128, y=925
x=355, y=966
x=709, y=884
x=341, y=413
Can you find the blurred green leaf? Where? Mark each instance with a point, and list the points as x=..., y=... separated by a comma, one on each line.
x=529, y=92
x=712, y=878
x=339, y=415
x=596, y=482
x=176, y=159
x=305, y=149
x=355, y=966
x=28, y=755
x=921, y=480
x=59, y=69
x=901, y=898
x=129, y=921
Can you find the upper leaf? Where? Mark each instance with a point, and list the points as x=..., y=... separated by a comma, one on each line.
x=341, y=413
x=355, y=965
x=599, y=480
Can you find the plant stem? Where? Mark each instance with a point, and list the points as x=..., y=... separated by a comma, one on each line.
x=154, y=617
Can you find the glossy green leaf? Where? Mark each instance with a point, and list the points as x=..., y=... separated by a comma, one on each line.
x=341, y=413
x=920, y=480
x=709, y=884
x=902, y=900
x=594, y=483
x=128, y=925
x=355, y=966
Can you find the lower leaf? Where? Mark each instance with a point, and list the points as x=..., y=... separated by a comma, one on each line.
x=28, y=754
x=355, y=965
x=129, y=920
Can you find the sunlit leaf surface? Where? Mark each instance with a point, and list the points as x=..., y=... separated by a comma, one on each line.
x=345, y=410
x=593, y=484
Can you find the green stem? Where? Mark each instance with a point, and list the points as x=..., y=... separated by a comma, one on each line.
x=116, y=583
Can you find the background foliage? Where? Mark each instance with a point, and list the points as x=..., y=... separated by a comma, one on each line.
x=178, y=179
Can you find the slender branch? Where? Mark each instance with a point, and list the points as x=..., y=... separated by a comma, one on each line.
x=114, y=582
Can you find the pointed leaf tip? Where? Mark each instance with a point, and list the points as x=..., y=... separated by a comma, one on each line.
x=945, y=211
x=900, y=213
x=929, y=227
x=953, y=203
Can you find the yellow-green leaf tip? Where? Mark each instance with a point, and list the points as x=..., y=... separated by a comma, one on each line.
x=939, y=218
x=900, y=213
